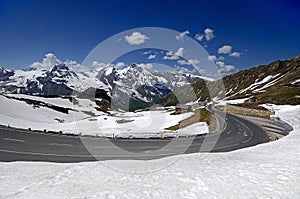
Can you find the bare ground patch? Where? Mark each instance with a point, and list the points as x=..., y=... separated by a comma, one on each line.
x=245, y=111
x=200, y=115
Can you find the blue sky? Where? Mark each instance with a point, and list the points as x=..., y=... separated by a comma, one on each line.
x=261, y=31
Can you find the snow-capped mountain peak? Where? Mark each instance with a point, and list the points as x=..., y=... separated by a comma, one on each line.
x=52, y=76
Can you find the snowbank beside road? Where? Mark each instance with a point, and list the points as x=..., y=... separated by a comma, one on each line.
x=288, y=113
x=266, y=170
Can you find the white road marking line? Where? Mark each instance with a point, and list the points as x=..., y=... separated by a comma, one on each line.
x=88, y=156
x=226, y=146
x=14, y=140
x=247, y=140
x=59, y=144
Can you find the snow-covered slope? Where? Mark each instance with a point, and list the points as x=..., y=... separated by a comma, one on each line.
x=83, y=117
x=45, y=113
x=268, y=170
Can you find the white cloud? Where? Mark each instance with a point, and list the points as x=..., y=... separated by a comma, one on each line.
x=71, y=63
x=235, y=54
x=151, y=56
x=226, y=49
x=147, y=66
x=220, y=63
x=136, y=38
x=226, y=69
x=221, y=58
x=173, y=56
x=209, y=34
x=223, y=68
x=48, y=62
x=101, y=65
x=212, y=58
x=98, y=65
x=147, y=52
x=183, y=62
x=181, y=35
x=192, y=62
x=199, y=37
x=181, y=69
x=119, y=65
x=51, y=60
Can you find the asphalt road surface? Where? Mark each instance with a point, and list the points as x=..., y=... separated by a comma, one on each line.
x=18, y=145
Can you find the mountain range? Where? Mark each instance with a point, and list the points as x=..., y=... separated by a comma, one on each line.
x=129, y=88
x=136, y=86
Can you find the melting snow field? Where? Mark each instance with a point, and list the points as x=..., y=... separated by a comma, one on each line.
x=149, y=124
x=270, y=170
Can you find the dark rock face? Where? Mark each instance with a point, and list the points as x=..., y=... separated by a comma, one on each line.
x=94, y=93
x=153, y=93
x=5, y=74
x=52, y=82
x=52, y=88
x=108, y=79
x=31, y=88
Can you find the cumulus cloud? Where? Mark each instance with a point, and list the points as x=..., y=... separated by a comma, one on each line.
x=223, y=68
x=221, y=58
x=151, y=56
x=174, y=56
x=73, y=65
x=48, y=62
x=199, y=37
x=235, y=54
x=147, y=52
x=183, y=62
x=181, y=35
x=226, y=49
x=119, y=65
x=98, y=65
x=212, y=58
x=192, y=62
x=209, y=34
x=226, y=69
x=101, y=65
x=220, y=63
x=181, y=69
x=136, y=38
x=147, y=66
